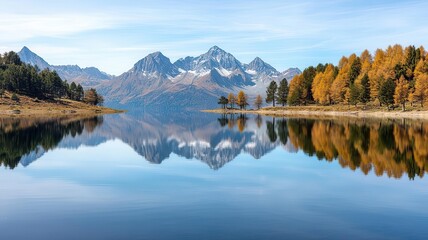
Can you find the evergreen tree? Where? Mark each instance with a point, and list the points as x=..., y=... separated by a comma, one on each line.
x=386, y=93
x=365, y=89
x=282, y=93
x=80, y=93
x=73, y=91
x=223, y=101
x=271, y=93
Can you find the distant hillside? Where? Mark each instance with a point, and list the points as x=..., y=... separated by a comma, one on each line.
x=87, y=77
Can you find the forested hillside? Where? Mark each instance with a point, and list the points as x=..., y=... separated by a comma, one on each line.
x=25, y=79
x=391, y=77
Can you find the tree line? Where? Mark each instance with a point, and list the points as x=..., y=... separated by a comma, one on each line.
x=18, y=77
x=392, y=77
x=273, y=94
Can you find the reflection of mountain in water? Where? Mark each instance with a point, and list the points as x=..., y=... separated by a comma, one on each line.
x=189, y=136
x=386, y=147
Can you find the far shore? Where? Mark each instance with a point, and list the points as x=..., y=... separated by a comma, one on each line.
x=329, y=111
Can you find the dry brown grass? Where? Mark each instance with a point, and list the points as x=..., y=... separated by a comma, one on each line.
x=31, y=107
x=334, y=111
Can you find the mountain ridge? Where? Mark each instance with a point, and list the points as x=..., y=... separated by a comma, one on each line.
x=154, y=82
x=87, y=77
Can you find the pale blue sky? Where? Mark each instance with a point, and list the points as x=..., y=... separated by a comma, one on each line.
x=113, y=35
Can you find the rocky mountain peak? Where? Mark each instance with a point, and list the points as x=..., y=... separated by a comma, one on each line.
x=29, y=57
x=156, y=63
x=258, y=66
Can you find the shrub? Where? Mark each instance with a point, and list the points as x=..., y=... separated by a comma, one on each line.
x=15, y=97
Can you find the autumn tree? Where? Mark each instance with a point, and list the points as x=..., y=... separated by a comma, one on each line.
x=282, y=93
x=401, y=92
x=242, y=100
x=271, y=93
x=258, y=102
x=231, y=99
x=295, y=90
x=92, y=97
x=322, y=83
x=421, y=82
x=223, y=101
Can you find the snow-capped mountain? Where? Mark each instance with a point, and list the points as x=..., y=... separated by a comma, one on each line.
x=191, y=82
x=156, y=63
x=88, y=77
x=259, y=67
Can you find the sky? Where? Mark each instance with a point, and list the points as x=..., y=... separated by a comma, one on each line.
x=113, y=35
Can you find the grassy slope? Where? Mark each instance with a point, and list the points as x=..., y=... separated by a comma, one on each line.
x=30, y=107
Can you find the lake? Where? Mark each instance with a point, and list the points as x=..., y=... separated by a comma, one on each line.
x=208, y=176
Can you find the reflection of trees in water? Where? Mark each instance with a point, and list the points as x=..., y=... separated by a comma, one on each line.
x=391, y=148
x=231, y=120
x=17, y=141
x=387, y=148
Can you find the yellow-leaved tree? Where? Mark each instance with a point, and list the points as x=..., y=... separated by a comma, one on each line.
x=321, y=85
x=421, y=82
x=401, y=92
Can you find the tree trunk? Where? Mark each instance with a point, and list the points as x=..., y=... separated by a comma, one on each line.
x=404, y=106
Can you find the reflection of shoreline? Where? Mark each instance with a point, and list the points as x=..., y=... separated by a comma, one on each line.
x=27, y=140
x=391, y=147
x=306, y=112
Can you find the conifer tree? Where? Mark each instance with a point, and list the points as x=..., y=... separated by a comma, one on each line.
x=386, y=93
x=282, y=93
x=271, y=93
x=223, y=101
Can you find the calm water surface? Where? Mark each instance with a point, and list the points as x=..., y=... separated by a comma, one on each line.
x=207, y=176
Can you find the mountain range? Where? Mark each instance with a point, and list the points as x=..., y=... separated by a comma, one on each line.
x=154, y=82
x=87, y=77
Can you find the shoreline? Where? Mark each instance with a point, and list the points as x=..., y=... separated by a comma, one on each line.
x=30, y=108
x=307, y=111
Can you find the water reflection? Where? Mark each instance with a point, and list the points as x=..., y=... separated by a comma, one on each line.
x=25, y=140
x=386, y=147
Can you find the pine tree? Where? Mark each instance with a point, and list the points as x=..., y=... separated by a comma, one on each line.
x=80, y=92
x=271, y=93
x=282, y=93
x=401, y=92
x=223, y=101
x=386, y=93
x=365, y=89
x=73, y=91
